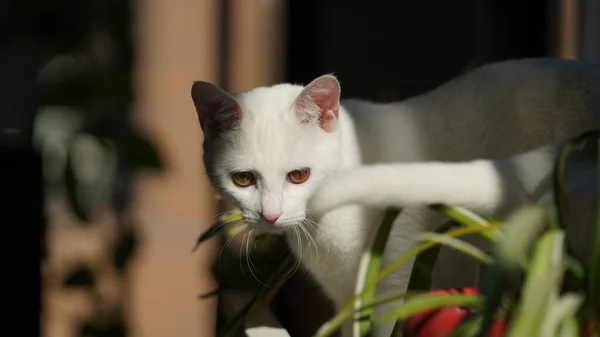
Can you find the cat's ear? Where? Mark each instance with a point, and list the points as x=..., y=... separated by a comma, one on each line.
x=217, y=110
x=319, y=102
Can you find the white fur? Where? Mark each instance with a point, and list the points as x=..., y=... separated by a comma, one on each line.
x=496, y=111
x=484, y=186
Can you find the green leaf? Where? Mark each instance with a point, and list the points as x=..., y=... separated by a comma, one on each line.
x=565, y=307
x=458, y=245
x=467, y=219
x=523, y=226
x=420, y=303
x=333, y=325
x=575, y=268
x=427, y=245
x=217, y=227
x=81, y=276
x=468, y=328
x=541, y=285
x=124, y=249
x=522, y=229
x=369, y=268
x=569, y=327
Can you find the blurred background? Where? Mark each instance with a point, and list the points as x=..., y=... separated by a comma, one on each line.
x=101, y=149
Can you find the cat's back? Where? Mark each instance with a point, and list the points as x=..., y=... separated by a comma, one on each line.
x=534, y=90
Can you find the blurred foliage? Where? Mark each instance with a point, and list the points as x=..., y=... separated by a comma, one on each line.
x=124, y=249
x=81, y=276
x=84, y=125
x=93, y=329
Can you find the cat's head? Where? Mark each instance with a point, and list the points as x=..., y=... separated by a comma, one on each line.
x=267, y=149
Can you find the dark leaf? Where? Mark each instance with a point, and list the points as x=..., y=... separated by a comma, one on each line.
x=422, y=274
x=71, y=191
x=215, y=229
x=124, y=249
x=94, y=329
x=574, y=275
x=139, y=151
x=494, y=287
x=122, y=193
x=210, y=294
x=113, y=123
x=561, y=187
x=468, y=327
x=81, y=276
x=594, y=274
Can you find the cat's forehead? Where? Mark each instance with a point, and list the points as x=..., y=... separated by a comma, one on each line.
x=278, y=146
x=268, y=102
x=273, y=142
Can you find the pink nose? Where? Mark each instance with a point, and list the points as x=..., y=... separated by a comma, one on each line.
x=270, y=217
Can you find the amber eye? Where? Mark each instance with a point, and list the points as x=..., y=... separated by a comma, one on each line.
x=243, y=179
x=298, y=176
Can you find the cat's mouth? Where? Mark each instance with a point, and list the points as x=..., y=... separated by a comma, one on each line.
x=265, y=226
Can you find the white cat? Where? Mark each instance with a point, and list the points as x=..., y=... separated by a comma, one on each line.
x=269, y=149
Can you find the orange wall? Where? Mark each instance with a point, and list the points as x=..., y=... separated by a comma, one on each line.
x=177, y=45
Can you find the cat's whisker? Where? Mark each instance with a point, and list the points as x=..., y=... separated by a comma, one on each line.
x=308, y=237
x=237, y=231
x=314, y=242
x=298, y=256
x=249, y=251
x=225, y=223
x=240, y=254
x=314, y=223
x=299, y=225
x=251, y=264
x=311, y=240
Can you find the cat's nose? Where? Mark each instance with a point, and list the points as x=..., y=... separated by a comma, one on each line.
x=270, y=217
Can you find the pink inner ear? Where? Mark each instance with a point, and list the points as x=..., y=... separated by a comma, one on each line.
x=320, y=101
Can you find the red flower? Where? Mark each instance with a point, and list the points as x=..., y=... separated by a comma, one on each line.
x=440, y=322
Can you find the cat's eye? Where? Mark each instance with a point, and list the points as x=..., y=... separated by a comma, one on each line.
x=243, y=179
x=298, y=176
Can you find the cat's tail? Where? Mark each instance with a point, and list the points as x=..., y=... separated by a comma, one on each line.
x=482, y=186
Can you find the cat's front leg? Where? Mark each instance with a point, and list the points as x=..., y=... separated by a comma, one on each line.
x=481, y=186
